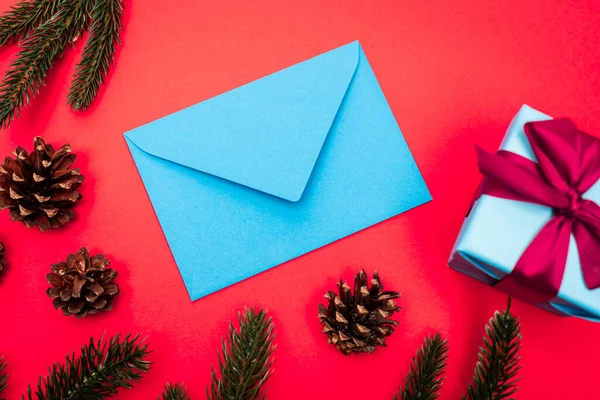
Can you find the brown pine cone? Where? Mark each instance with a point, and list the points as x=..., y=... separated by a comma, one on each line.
x=358, y=322
x=82, y=285
x=2, y=260
x=40, y=188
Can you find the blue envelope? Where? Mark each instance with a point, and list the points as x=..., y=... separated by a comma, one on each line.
x=276, y=168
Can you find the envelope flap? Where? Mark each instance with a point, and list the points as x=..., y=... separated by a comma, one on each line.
x=267, y=134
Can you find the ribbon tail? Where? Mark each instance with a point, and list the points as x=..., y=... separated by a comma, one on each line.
x=512, y=179
x=587, y=236
x=539, y=272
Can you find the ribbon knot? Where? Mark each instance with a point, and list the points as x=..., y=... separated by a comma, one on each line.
x=576, y=204
x=568, y=165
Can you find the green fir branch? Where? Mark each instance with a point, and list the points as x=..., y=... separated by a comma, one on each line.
x=97, y=373
x=3, y=375
x=176, y=391
x=98, y=54
x=245, y=365
x=424, y=379
x=495, y=376
x=40, y=49
x=24, y=17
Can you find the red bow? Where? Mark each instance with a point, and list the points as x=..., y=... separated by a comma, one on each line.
x=568, y=166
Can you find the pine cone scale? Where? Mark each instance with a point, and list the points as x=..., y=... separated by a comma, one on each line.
x=96, y=288
x=111, y=289
x=91, y=297
x=75, y=307
x=99, y=304
x=77, y=286
x=66, y=294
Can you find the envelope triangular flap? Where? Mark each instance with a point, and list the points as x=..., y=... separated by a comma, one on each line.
x=267, y=134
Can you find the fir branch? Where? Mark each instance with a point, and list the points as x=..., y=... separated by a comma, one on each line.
x=3, y=375
x=424, y=379
x=496, y=371
x=40, y=49
x=98, y=54
x=245, y=365
x=25, y=17
x=97, y=372
x=174, y=392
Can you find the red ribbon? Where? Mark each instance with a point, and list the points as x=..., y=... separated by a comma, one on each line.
x=568, y=166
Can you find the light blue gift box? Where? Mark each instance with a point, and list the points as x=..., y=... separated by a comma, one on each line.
x=497, y=231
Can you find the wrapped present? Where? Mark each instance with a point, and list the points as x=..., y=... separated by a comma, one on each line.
x=533, y=230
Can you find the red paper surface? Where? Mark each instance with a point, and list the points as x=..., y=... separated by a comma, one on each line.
x=454, y=73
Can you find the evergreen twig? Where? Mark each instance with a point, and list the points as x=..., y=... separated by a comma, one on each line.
x=424, y=379
x=98, y=54
x=245, y=364
x=24, y=17
x=495, y=376
x=46, y=27
x=176, y=391
x=100, y=369
x=40, y=49
x=3, y=375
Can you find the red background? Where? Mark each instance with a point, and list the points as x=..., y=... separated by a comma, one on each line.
x=454, y=72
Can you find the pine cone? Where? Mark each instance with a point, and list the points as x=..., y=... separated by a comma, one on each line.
x=2, y=260
x=82, y=285
x=359, y=323
x=40, y=188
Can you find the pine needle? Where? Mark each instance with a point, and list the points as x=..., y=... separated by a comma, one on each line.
x=40, y=49
x=424, y=379
x=100, y=369
x=25, y=17
x=174, y=392
x=245, y=364
x=98, y=54
x=498, y=365
x=3, y=375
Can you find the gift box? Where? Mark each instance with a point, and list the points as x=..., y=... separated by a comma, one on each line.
x=533, y=230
